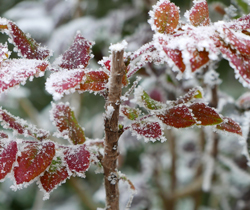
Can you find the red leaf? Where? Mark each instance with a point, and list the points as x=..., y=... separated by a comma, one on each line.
x=34, y=159
x=55, y=175
x=27, y=46
x=230, y=126
x=199, y=14
x=199, y=59
x=78, y=55
x=21, y=126
x=94, y=81
x=65, y=121
x=178, y=117
x=148, y=129
x=237, y=41
x=166, y=17
x=51, y=180
x=13, y=72
x=193, y=93
x=240, y=63
x=242, y=23
x=64, y=82
x=77, y=158
x=3, y=135
x=7, y=157
x=204, y=114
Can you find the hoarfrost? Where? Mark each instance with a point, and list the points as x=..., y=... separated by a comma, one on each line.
x=109, y=112
x=119, y=46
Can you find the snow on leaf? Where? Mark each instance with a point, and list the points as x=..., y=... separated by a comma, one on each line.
x=77, y=158
x=230, y=126
x=148, y=129
x=8, y=151
x=55, y=175
x=240, y=64
x=94, y=81
x=78, y=55
x=193, y=93
x=198, y=59
x=205, y=115
x=178, y=117
x=242, y=24
x=27, y=46
x=16, y=71
x=164, y=17
x=237, y=41
x=22, y=127
x=199, y=14
x=129, y=112
x=34, y=159
x=63, y=118
x=64, y=82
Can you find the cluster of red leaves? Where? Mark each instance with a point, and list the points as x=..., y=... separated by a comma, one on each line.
x=196, y=44
x=43, y=160
x=186, y=111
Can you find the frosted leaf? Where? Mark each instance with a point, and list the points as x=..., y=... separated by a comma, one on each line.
x=20, y=126
x=33, y=160
x=164, y=17
x=64, y=82
x=4, y=52
x=17, y=71
x=230, y=126
x=63, y=117
x=129, y=112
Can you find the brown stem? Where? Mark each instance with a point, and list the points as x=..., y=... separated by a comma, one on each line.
x=109, y=160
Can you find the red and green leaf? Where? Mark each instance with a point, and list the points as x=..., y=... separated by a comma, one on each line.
x=77, y=158
x=21, y=126
x=64, y=119
x=148, y=129
x=27, y=46
x=3, y=135
x=166, y=17
x=178, y=117
x=205, y=115
x=56, y=174
x=34, y=159
x=78, y=55
x=130, y=113
x=94, y=81
x=17, y=71
x=150, y=103
x=230, y=126
x=8, y=151
x=199, y=14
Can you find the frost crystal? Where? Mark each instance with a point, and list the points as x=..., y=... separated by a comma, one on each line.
x=119, y=46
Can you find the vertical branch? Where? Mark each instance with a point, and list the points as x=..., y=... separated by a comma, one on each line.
x=112, y=106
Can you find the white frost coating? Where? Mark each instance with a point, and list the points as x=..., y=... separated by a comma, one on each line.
x=109, y=112
x=119, y=46
x=211, y=78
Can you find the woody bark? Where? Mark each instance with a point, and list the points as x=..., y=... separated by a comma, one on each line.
x=111, y=153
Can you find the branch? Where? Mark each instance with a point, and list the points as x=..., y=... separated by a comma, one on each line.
x=112, y=106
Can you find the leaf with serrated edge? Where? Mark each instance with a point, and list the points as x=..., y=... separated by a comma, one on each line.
x=205, y=115
x=21, y=126
x=64, y=119
x=34, y=159
x=56, y=174
x=78, y=55
x=77, y=158
x=27, y=46
x=8, y=151
x=230, y=126
x=193, y=93
x=166, y=17
x=178, y=117
x=199, y=14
